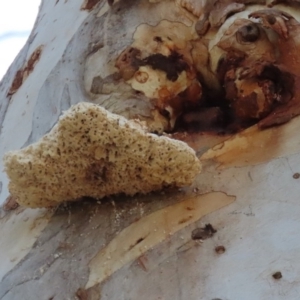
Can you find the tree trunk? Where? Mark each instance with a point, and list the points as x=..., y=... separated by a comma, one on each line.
x=233, y=234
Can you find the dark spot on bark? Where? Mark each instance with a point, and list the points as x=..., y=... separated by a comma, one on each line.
x=296, y=176
x=139, y=240
x=248, y=34
x=172, y=65
x=203, y=233
x=23, y=73
x=89, y=4
x=158, y=39
x=220, y=249
x=17, y=82
x=129, y=61
x=189, y=208
x=110, y=2
x=166, y=114
x=136, y=243
x=91, y=293
x=277, y=275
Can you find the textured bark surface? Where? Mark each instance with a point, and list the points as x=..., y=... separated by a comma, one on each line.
x=146, y=247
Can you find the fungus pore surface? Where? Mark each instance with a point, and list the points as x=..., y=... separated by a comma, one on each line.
x=91, y=152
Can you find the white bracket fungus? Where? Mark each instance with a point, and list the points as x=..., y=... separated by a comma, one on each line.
x=91, y=152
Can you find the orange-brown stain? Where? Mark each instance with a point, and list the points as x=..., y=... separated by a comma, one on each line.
x=24, y=72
